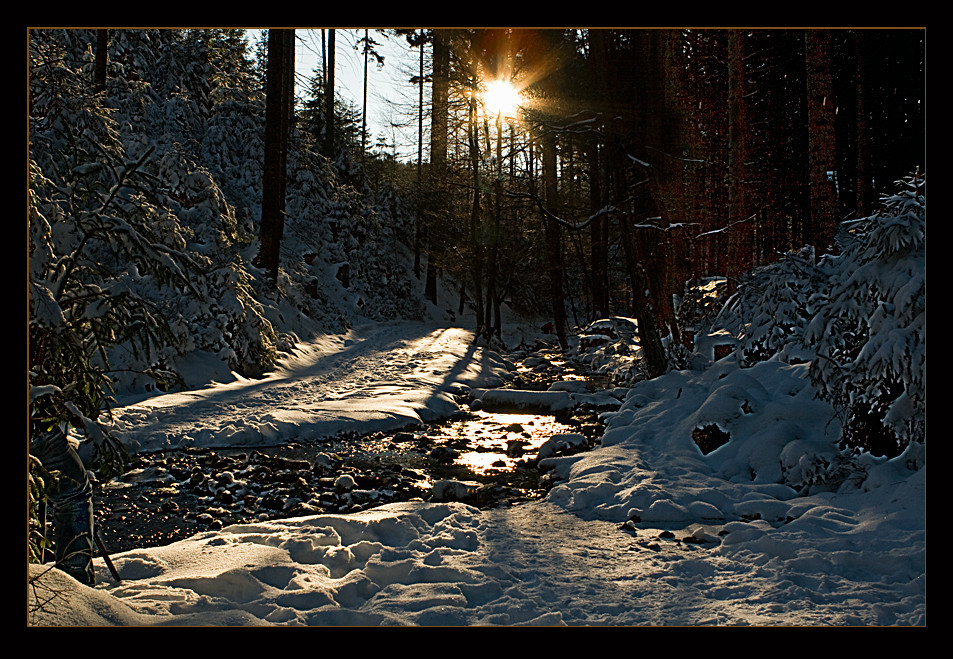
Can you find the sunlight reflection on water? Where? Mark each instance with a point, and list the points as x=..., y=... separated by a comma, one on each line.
x=495, y=441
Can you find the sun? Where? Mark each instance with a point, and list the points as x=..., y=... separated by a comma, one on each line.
x=501, y=97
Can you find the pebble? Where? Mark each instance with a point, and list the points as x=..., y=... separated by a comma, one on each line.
x=344, y=483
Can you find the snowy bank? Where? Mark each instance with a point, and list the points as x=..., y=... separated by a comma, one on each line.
x=376, y=377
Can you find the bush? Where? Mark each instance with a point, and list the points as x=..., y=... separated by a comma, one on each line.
x=773, y=306
x=857, y=317
x=81, y=304
x=93, y=234
x=869, y=331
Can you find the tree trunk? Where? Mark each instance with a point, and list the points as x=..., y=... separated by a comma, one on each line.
x=476, y=244
x=864, y=195
x=367, y=47
x=277, y=125
x=440, y=91
x=494, y=236
x=553, y=239
x=329, y=101
x=739, y=210
x=418, y=228
x=102, y=60
x=653, y=354
x=430, y=286
x=821, y=145
x=598, y=238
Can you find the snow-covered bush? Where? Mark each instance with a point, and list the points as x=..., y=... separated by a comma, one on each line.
x=111, y=300
x=331, y=224
x=772, y=308
x=233, y=146
x=700, y=302
x=92, y=238
x=610, y=347
x=868, y=332
x=809, y=470
x=857, y=317
x=696, y=310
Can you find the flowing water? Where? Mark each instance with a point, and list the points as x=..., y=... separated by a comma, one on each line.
x=172, y=495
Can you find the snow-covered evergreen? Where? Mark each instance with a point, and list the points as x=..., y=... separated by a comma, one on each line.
x=869, y=334
x=773, y=306
x=187, y=104
x=856, y=316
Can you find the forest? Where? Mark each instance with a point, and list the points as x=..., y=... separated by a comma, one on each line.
x=183, y=197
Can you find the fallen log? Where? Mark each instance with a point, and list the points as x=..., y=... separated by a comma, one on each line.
x=518, y=401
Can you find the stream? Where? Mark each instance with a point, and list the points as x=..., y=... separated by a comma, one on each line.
x=485, y=459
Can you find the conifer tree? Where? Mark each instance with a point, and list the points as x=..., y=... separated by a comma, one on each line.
x=869, y=329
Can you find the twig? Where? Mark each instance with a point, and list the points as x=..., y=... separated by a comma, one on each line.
x=105, y=555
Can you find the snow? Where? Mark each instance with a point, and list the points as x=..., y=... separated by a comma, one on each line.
x=382, y=378
x=765, y=530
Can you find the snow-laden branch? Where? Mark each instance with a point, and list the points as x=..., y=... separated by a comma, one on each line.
x=727, y=227
x=602, y=212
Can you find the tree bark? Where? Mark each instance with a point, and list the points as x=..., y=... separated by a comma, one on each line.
x=598, y=237
x=440, y=91
x=418, y=224
x=821, y=108
x=277, y=126
x=102, y=60
x=553, y=239
x=329, y=100
x=364, y=101
x=492, y=297
x=476, y=244
x=864, y=194
x=739, y=211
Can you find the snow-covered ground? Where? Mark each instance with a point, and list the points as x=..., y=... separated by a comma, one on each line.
x=376, y=377
x=769, y=529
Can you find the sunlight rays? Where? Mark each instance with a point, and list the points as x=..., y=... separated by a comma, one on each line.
x=511, y=71
x=502, y=98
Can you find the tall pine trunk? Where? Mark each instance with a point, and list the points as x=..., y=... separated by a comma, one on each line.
x=418, y=224
x=598, y=236
x=476, y=244
x=864, y=195
x=440, y=91
x=102, y=60
x=739, y=207
x=818, y=53
x=277, y=126
x=329, y=100
x=367, y=48
x=554, y=239
x=492, y=295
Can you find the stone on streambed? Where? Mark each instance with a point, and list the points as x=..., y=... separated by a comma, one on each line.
x=453, y=490
x=562, y=443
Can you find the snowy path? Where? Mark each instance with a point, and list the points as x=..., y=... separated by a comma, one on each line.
x=449, y=564
x=377, y=377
